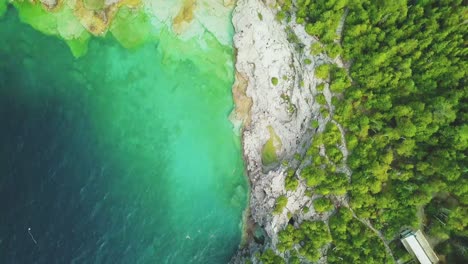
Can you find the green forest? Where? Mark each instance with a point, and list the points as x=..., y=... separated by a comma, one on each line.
x=403, y=105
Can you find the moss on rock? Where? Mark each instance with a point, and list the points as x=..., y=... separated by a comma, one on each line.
x=61, y=23
x=76, y=21
x=131, y=27
x=269, y=155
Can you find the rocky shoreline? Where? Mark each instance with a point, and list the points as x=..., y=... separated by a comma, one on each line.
x=286, y=105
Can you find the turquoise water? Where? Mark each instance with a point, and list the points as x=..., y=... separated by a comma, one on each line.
x=120, y=156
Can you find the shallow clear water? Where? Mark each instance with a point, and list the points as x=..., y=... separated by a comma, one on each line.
x=121, y=156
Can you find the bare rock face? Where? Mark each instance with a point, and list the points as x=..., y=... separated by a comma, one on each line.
x=50, y=4
x=281, y=88
x=265, y=57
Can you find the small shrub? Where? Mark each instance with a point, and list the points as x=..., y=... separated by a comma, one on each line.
x=340, y=80
x=291, y=184
x=322, y=71
x=333, y=50
x=274, y=81
x=316, y=49
x=320, y=87
x=322, y=205
x=281, y=15
x=320, y=98
x=297, y=156
x=334, y=154
x=281, y=203
x=269, y=153
x=300, y=20
x=269, y=257
x=335, y=101
x=260, y=16
x=324, y=112
x=314, y=124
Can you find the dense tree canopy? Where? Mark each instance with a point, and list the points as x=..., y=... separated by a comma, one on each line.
x=403, y=104
x=408, y=108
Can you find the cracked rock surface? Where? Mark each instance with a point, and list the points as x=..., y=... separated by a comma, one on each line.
x=263, y=54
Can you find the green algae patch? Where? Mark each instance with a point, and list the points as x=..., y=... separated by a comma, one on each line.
x=94, y=4
x=269, y=150
x=79, y=46
x=37, y=17
x=77, y=22
x=281, y=203
x=131, y=27
x=3, y=7
x=62, y=24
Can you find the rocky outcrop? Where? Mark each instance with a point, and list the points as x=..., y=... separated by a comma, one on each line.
x=190, y=19
x=282, y=88
x=243, y=104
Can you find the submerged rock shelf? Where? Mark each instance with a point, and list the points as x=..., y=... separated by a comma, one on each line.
x=120, y=150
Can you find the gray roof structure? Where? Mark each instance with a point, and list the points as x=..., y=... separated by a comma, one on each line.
x=417, y=245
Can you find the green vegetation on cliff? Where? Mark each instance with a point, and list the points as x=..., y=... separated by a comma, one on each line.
x=407, y=108
x=313, y=236
x=323, y=205
x=269, y=155
x=353, y=242
x=281, y=203
x=403, y=106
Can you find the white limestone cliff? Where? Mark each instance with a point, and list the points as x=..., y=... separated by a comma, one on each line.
x=263, y=53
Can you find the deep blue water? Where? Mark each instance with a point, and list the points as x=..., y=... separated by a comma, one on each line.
x=104, y=167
